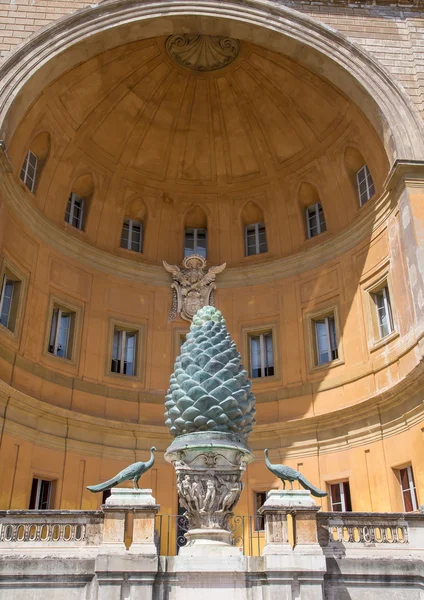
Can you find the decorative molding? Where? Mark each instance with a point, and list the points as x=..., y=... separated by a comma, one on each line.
x=372, y=216
x=202, y=52
x=365, y=80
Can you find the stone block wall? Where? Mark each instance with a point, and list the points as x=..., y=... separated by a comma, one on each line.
x=392, y=33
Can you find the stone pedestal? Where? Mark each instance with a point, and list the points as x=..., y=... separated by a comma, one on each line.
x=299, y=572
x=121, y=502
x=209, y=466
x=123, y=573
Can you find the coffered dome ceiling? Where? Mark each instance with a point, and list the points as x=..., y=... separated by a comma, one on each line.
x=196, y=120
x=136, y=107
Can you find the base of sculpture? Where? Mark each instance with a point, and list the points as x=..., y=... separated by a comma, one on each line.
x=209, y=542
x=209, y=466
x=130, y=497
x=289, y=499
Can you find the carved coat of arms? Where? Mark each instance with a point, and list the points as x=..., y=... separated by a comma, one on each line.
x=193, y=286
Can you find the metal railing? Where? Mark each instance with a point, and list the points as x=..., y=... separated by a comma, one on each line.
x=247, y=534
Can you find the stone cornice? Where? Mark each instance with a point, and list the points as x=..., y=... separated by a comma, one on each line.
x=38, y=422
x=370, y=218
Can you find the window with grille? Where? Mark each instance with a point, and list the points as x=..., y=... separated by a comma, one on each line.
x=29, y=170
x=41, y=493
x=315, y=220
x=383, y=309
x=259, y=500
x=255, y=239
x=9, y=301
x=407, y=486
x=261, y=355
x=365, y=185
x=132, y=235
x=75, y=211
x=124, y=352
x=195, y=242
x=325, y=340
x=340, y=497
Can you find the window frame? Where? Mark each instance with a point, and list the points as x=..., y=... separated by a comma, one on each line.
x=316, y=208
x=72, y=199
x=343, y=496
x=412, y=489
x=10, y=270
x=50, y=500
x=257, y=243
x=138, y=327
x=195, y=231
x=368, y=176
x=24, y=171
x=70, y=332
x=309, y=318
x=131, y=223
x=123, y=336
x=372, y=286
x=258, y=519
x=66, y=304
x=263, y=351
x=246, y=331
x=330, y=335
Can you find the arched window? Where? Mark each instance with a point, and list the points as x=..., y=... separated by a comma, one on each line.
x=133, y=226
x=310, y=203
x=359, y=175
x=195, y=232
x=79, y=201
x=255, y=240
x=35, y=160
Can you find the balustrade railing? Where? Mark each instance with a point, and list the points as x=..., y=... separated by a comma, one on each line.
x=365, y=529
x=70, y=528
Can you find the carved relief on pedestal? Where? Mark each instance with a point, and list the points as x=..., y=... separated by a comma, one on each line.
x=209, y=487
x=193, y=286
x=202, y=52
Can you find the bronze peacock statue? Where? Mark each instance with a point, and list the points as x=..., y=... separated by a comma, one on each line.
x=288, y=474
x=134, y=472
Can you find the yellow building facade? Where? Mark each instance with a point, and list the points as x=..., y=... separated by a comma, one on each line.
x=280, y=136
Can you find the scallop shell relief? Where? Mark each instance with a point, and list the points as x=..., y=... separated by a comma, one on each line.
x=202, y=52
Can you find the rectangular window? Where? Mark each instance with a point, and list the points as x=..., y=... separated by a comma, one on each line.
x=365, y=185
x=261, y=355
x=260, y=498
x=384, y=311
x=124, y=352
x=29, y=170
x=132, y=235
x=9, y=300
x=41, y=492
x=325, y=340
x=255, y=239
x=407, y=486
x=340, y=497
x=195, y=242
x=75, y=211
x=61, y=332
x=315, y=220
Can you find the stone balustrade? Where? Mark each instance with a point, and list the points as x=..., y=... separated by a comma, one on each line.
x=370, y=531
x=61, y=528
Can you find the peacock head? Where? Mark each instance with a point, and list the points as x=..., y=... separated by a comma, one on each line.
x=153, y=449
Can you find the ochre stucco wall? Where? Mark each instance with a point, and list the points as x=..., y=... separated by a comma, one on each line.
x=76, y=424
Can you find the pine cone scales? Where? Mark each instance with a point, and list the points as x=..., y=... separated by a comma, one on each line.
x=209, y=389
